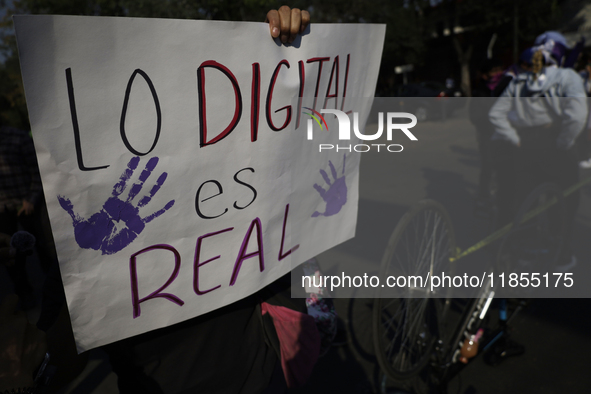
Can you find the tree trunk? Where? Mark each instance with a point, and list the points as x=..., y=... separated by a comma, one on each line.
x=464, y=60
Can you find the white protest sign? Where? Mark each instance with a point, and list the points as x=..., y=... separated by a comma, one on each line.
x=171, y=161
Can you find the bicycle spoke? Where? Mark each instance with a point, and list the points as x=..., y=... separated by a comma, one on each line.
x=405, y=329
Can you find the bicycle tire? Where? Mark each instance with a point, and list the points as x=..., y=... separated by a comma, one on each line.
x=404, y=340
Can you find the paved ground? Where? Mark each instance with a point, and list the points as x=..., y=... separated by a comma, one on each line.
x=442, y=165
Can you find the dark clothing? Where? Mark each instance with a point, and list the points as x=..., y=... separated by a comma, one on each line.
x=583, y=144
x=538, y=160
x=18, y=271
x=483, y=137
x=221, y=352
x=20, y=180
x=479, y=109
x=480, y=104
x=502, y=85
x=230, y=350
x=584, y=140
x=19, y=174
x=37, y=224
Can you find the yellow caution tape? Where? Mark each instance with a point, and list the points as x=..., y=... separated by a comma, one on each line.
x=503, y=231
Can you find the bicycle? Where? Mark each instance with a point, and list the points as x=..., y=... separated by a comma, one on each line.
x=411, y=318
x=411, y=334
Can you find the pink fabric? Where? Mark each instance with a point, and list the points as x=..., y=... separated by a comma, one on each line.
x=299, y=342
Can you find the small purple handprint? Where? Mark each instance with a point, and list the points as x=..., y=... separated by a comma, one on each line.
x=118, y=223
x=336, y=195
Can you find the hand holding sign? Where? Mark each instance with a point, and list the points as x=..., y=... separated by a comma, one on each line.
x=189, y=248
x=118, y=223
x=287, y=22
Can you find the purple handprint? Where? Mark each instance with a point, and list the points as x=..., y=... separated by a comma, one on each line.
x=118, y=223
x=336, y=195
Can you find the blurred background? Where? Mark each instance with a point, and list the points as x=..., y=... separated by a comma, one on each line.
x=439, y=45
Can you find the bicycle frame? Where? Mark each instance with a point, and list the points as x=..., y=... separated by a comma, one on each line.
x=447, y=362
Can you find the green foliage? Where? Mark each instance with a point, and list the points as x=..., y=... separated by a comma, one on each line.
x=404, y=42
x=411, y=25
x=179, y=9
x=487, y=17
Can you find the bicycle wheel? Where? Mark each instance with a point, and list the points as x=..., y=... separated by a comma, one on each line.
x=536, y=240
x=406, y=328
